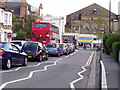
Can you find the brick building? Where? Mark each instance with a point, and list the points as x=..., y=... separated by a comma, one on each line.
x=22, y=9
x=89, y=20
x=88, y=23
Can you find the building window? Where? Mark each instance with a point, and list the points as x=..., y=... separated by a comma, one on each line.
x=1, y=16
x=94, y=29
x=5, y=36
x=10, y=19
x=79, y=18
x=94, y=11
x=0, y=36
x=86, y=29
x=76, y=29
x=6, y=18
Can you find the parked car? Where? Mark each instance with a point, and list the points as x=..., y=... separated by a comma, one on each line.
x=65, y=48
x=54, y=49
x=35, y=50
x=19, y=43
x=71, y=46
x=11, y=55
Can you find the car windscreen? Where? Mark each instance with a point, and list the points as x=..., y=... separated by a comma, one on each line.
x=2, y=45
x=61, y=45
x=18, y=43
x=30, y=46
x=51, y=45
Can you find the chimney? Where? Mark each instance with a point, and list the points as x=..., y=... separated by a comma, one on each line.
x=23, y=8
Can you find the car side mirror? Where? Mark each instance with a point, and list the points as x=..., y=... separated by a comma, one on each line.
x=39, y=48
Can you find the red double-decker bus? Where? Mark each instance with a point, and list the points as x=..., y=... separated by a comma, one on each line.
x=45, y=32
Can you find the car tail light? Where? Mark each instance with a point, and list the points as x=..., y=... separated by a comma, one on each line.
x=38, y=53
x=2, y=52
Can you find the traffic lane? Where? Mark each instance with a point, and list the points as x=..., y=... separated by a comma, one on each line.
x=30, y=63
x=22, y=72
x=58, y=76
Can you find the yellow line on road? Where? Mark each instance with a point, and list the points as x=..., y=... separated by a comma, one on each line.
x=90, y=59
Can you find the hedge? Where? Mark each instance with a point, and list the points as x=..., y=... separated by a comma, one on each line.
x=104, y=44
x=115, y=50
x=110, y=40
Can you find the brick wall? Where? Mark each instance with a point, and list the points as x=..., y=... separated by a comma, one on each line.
x=23, y=9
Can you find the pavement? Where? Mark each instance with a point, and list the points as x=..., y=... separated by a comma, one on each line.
x=105, y=73
x=112, y=72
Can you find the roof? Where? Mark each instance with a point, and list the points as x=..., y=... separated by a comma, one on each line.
x=91, y=8
x=15, y=6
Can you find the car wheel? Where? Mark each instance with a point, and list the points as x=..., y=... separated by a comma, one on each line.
x=40, y=58
x=8, y=64
x=47, y=57
x=25, y=62
x=67, y=53
x=58, y=54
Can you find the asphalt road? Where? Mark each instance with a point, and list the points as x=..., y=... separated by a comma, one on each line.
x=57, y=72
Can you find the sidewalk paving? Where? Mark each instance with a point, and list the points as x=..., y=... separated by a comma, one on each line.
x=112, y=71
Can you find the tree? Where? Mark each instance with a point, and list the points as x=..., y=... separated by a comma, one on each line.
x=24, y=27
x=21, y=35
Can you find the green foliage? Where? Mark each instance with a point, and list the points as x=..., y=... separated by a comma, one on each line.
x=110, y=40
x=115, y=50
x=104, y=44
x=13, y=17
x=17, y=26
x=21, y=35
x=26, y=27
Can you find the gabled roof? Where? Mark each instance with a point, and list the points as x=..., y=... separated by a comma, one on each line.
x=94, y=7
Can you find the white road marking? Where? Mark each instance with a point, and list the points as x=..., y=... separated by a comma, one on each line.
x=81, y=77
x=104, y=80
x=71, y=54
x=79, y=73
x=25, y=67
x=67, y=56
x=30, y=75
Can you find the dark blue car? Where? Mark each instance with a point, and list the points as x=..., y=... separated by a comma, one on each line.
x=11, y=55
x=54, y=49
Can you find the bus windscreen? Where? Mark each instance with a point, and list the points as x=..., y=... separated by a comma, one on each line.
x=40, y=25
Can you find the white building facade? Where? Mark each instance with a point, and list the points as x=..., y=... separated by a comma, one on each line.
x=57, y=21
x=5, y=25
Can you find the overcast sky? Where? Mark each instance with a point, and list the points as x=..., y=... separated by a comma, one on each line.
x=65, y=7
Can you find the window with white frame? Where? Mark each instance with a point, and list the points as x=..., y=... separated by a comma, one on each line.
x=7, y=18
x=10, y=19
x=0, y=36
x=5, y=36
x=1, y=15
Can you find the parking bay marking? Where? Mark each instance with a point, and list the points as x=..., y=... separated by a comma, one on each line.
x=71, y=54
x=30, y=75
x=25, y=67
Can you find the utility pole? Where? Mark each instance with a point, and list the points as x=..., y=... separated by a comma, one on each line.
x=110, y=16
